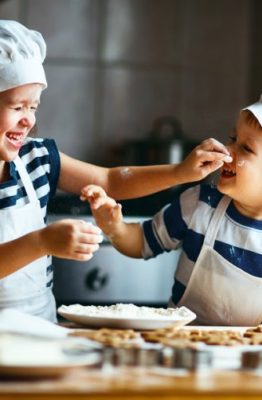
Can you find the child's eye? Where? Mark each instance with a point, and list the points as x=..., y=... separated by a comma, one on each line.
x=247, y=149
x=232, y=139
x=17, y=108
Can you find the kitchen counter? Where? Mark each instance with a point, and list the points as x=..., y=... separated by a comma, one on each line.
x=125, y=382
x=134, y=383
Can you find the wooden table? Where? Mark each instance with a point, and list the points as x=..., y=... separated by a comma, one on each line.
x=132, y=383
x=113, y=383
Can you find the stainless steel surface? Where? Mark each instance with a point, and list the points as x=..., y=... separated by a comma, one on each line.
x=179, y=358
x=131, y=357
x=187, y=358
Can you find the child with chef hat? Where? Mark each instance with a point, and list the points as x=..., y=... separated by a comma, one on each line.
x=32, y=169
x=218, y=228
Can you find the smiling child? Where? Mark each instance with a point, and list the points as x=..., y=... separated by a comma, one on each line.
x=31, y=170
x=219, y=273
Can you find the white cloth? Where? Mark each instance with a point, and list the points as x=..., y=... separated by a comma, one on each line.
x=22, y=52
x=219, y=292
x=26, y=288
x=15, y=321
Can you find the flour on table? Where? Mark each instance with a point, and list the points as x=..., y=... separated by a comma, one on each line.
x=121, y=310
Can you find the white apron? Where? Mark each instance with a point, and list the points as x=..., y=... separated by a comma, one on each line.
x=219, y=292
x=26, y=288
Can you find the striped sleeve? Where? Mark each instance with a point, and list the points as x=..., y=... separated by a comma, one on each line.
x=166, y=230
x=55, y=166
x=42, y=161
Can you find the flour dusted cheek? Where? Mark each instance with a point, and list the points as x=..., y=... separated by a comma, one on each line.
x=241, y=162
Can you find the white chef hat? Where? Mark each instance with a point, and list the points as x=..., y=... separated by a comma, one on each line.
x=256, y=110
x=22, y=52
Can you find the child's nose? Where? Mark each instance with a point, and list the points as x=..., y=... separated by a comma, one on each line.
x=24, y=121
x=27, y=121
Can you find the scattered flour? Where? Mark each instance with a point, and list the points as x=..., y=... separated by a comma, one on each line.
x=121, y=310
x=125, y=172
x=241, y=163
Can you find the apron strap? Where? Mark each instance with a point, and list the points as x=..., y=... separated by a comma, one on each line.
x=216, y=221
x=26, y=179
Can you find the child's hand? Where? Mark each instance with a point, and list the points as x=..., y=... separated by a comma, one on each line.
x=206, y=158
x=71, y=239
x=107, y=211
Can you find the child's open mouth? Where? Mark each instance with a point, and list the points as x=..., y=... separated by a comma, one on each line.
x=228, y=172
x=15, y=138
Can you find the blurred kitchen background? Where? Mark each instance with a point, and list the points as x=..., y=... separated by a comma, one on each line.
x=136, y=82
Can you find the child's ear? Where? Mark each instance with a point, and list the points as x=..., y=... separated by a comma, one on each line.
x=34, y=130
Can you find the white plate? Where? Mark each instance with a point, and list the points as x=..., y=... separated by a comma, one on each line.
x=47, y=371
x=25, y=355
x=139, y=323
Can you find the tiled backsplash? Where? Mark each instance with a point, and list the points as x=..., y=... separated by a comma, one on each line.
x=113, y=66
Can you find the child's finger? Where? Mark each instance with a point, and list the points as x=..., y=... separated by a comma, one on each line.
x=117, y=211
x=213, y=156
x=214, y=145
x=92, y=191
x=101, y=201
x=213, y=166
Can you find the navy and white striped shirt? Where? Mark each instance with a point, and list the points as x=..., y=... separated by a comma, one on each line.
x=42, y=161
x=184, y=222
